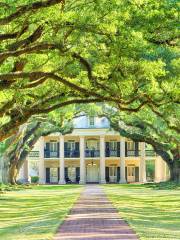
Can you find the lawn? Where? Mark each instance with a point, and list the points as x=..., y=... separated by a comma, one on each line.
x=35, y=214
x=153, y=213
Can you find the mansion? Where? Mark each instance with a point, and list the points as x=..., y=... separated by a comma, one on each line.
x=92, y=153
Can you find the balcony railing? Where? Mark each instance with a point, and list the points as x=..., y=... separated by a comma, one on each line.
x=133, y=153
x=92, y=153
x=150, y=153
x=34, y=154
x=50, y=154
x=71, y=153
x=112, y=153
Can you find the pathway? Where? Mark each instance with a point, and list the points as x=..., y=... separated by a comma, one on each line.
x=94, y=218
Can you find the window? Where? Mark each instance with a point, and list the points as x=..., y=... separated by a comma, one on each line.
x=72, y=174
x=53, y=146
x=131, y=171
x=91, y=121
x=71, y=145
x=130, y=145
x=112, y=171
x=92, y=144
x=53, y=175
x=113, y=145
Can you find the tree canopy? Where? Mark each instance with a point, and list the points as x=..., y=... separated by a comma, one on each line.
x=55, y=53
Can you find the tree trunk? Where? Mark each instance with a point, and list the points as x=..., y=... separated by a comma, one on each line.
x=12, y=173
x=175, y=175
x=175, y=168
x=18, y=151
x=175, y=172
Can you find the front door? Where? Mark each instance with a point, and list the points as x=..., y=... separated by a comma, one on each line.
x=112, y=174
x=131, y=174
x=72, y=174
x=92, y=173
x=53, y=175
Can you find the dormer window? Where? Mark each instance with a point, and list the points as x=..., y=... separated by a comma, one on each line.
x=91, y=121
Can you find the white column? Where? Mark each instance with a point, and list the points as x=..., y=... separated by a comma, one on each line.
x=122, y=161
x=159, y=169
x=163, y=170
x=143, y=163
x=41, y=161
x=102, y=160
x=61, y=162
x=82, y=162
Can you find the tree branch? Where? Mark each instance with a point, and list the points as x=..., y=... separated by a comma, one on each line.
x=35, y=48
x=5, y=36
x=25, y=42
x=27, y=8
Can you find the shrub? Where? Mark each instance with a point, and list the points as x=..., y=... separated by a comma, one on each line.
x=34, y=179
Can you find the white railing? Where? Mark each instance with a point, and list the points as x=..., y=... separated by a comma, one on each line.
x=34, y=154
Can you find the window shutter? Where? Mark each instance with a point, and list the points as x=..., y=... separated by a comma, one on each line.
x=58, y=149
x=118, y=174
x=118, y=149
x=137, y=174
x=107, y=149
x=77, y=149
x=65, y=150
x=125, y=149
x=107, y=174
x=47, y=146
x=77, y=174
x=47, y=175
x=65, y=146
x=66, y=172
x=47, y=150
x=136, y=149
x=77, y=146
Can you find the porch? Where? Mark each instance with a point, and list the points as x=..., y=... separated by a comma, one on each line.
x=92, y=171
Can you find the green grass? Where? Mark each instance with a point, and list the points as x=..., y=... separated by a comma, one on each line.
x=154, y=214
x=35, y=214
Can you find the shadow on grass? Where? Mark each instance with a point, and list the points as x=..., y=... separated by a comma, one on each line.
x=35, y=213
x=153, y=214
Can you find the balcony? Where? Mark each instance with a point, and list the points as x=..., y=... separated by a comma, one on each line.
x=71, y=153
x=112, y=153
x=50, y=154
x=133, y=153
x=92, y=153
x=150, y=153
